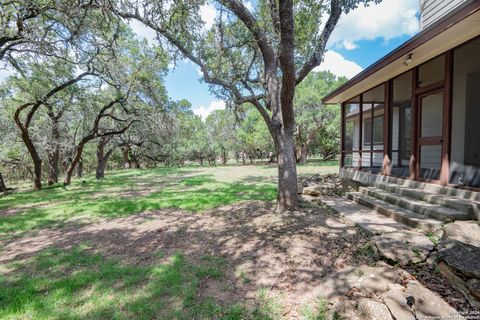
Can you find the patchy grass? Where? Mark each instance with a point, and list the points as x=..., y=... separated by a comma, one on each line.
x=128, y=192
x=166, y=266
x=80, y=285
x=316, y=311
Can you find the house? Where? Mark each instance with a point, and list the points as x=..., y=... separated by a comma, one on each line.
x=414, y=115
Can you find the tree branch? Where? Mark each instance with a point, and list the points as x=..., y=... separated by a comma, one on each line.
x=317, y=55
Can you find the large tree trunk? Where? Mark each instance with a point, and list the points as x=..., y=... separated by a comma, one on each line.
x=101, y=166
x=53, y=159
x=54, y=155
x=79, y=168
x=126, y=160
x=224, y=157
x=287, y=172
x=302, y=154
x=303, y=150
x=101, y=158
x=3, y=188
x=75, y=160
x=37, y=161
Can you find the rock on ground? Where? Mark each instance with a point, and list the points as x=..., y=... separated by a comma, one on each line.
x=459, y=258
x=396, y=302
x=371, y=309
x=462, y=258
x=427, y=304
x=404, y=247
x=467, y=232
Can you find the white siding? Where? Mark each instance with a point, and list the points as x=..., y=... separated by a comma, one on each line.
x=433, y=10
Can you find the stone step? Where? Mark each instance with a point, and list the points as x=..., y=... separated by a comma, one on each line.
x=431, y=210
x=363, y=217
x=405, y=216
x=370, y=179
x=460, y=204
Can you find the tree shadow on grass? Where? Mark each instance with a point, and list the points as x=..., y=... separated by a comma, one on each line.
x=229, y=255
x=77, y=284
x=193, y=194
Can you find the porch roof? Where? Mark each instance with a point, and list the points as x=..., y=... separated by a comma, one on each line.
x=457, y=27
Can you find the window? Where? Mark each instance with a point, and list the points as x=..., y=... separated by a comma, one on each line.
x=431, y=72
x=406, y=132
x=377, y=131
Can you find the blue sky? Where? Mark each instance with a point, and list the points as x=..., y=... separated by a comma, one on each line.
x=362, y=37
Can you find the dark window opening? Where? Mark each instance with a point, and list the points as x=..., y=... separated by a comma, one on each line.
x=377, y=131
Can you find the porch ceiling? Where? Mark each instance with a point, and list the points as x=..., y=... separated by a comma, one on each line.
x=458, y=27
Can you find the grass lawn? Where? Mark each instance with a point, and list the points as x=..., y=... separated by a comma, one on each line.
x=166, y=243
x=127, y=192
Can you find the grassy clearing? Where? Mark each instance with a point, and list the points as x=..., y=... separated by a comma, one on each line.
x=80, y=285
x=124, y=193
x=86, y=283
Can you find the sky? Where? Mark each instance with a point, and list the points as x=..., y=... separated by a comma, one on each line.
x=361, y=37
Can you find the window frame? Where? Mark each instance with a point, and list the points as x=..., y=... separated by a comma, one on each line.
x=371, y=134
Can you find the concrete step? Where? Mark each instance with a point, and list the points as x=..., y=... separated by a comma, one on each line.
x=363, y=217
x=460, y=204
x=405, y=216
x=370, y=179
x=431, y=210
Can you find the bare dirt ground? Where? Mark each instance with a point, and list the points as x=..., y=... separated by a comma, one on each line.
x=298, y=257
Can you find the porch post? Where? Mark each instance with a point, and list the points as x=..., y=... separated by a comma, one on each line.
x=447, y=116
x=360, y=132
x=386, y=129
x=342, y=135
x=413, y=168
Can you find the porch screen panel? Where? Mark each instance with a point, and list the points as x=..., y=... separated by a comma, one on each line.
x=465, y=144
x=401, y=125
x=431, y=72
x=373, y=125
x=430, y=161
x=351, y=145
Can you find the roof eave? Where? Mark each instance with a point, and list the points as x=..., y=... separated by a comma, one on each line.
x=455, y=16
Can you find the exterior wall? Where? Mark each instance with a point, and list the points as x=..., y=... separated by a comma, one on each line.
x=432, y=10
x=466, y=70
x=444, y=102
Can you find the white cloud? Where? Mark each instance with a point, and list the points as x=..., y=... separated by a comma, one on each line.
x=5, y=72
x=388, y=19
x=205, y=111
x=248, y=5
x=208, y=14
x=349, y=45
x=142, y=31
x=338, y=65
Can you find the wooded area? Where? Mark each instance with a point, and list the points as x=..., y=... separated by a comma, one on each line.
x=86, y=89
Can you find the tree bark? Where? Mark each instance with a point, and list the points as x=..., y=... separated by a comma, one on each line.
x=102, y=157
x=101, y=165
x=25, y=135
x=126, y=160
x=287, y=172
x=3, y=188
x=79, y=168
x=224, y=156
x=54, y=154
x=71, y=167
x=303, y=151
